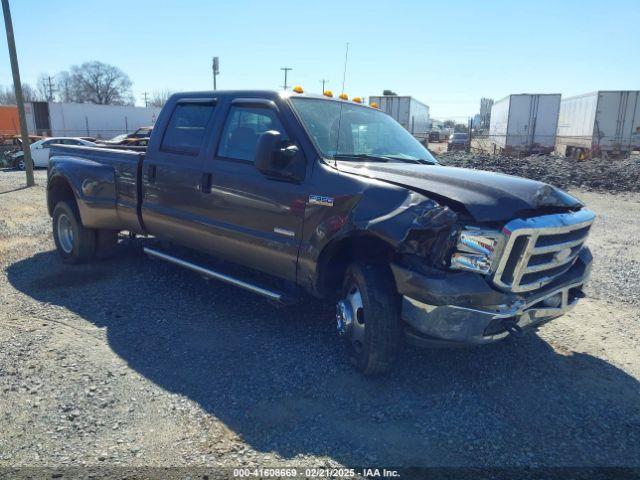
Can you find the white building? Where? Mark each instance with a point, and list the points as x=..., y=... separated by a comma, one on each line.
x=86, y=119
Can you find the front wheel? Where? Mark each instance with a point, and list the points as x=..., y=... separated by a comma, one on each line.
x=21, y=164
x=75, y=243
x=368, y=317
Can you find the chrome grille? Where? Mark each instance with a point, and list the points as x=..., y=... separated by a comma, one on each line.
x=539, y=249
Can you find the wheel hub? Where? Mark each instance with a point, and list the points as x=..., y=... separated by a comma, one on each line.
x=343, y=318
x=350, y=318
x=65, y=233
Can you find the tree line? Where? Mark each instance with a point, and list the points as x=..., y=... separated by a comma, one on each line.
x=91, y=82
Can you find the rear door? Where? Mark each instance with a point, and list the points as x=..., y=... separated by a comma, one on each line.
x=40, y=155
x=252, y=220
x=172, y=172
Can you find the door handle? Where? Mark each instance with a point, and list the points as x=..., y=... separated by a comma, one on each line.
x=151, y=174
x=206, y=182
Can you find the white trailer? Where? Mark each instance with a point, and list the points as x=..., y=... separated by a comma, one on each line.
x=599, y=122
x=524, y=123
x=86, y=119
x=407, y=111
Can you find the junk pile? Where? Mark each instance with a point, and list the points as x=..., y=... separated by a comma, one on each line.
x=597, y=174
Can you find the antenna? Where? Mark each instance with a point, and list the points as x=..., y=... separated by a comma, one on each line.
x=344, y=77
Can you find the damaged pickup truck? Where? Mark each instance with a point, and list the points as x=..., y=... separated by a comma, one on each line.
x=335, y=199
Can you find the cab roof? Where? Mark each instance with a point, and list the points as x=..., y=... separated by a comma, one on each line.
x=267, y=94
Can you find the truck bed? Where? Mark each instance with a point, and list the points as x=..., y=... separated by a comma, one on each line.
x=111, y=192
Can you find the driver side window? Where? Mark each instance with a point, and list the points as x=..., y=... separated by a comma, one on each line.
x=243, y=127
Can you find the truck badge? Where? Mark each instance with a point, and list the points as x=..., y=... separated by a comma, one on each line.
x=321, y=200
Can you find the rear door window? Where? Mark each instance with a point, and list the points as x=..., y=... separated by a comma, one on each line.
x=187, y=126
x=242, y=129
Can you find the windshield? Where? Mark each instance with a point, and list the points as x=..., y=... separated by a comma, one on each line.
x=460, y=136
x=361, y=133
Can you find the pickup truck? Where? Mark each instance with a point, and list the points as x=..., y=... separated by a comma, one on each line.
x=334, y=199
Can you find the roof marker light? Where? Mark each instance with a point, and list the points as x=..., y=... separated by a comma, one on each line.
x=328, y=93
x=298, y=89
x=374, y=105
x=343, y=96
x=357, y=99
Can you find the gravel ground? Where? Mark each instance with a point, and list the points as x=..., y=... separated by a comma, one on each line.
x=603, y=175
x=138, y=363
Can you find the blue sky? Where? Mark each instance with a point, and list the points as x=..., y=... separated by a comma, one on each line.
x=447, y=54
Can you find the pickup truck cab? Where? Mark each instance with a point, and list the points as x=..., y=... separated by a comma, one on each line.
x=334, y=199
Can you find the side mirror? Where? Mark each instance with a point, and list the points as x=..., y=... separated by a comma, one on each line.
x=271, y=158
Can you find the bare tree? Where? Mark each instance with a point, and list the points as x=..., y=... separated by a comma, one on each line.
x=97, y=82
x=64, y=88
x=45, y=87
x=8, y=94
x=29, y=93
x=158, y=99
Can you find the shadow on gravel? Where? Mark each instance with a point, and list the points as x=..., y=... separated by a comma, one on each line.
x=13, y=190
x=278, y=378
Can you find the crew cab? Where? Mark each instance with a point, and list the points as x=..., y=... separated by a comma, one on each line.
x=330, y=198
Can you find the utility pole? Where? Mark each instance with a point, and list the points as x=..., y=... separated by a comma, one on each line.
x=146, y=102
x=50, y=85
x=215, y=68
x=286, y=70
x=24, y=133
x=323, y=83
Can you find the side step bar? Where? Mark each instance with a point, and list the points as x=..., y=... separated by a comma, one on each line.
x=278, y=297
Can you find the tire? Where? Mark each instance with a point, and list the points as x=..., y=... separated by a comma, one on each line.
x=75, y=243
x=20, y=164
x=371, y=326
x=106, y=243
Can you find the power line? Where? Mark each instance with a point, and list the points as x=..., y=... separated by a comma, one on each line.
x=285, y=70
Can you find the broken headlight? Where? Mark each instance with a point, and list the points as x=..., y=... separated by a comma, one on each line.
x=477, y=250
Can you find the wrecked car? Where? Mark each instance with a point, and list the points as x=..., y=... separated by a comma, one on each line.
x=335, y=199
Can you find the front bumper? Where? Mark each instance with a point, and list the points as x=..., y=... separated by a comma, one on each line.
x=463, y=311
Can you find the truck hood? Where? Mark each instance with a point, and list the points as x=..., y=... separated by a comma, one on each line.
x=486, y=196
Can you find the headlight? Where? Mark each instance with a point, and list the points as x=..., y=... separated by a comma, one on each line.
x=477, y=250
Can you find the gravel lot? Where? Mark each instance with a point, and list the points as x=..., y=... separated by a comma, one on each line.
x=135, y=362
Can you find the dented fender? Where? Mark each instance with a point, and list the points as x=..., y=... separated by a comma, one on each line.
x=410, y=224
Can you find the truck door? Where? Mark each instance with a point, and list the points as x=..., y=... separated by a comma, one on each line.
x=172, y=171
x=253, y=220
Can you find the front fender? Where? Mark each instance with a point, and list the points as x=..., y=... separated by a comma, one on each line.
x=94, y=188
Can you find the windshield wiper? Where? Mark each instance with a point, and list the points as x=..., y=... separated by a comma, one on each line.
x=380, y=158
x=359, y=156
x=420, y=161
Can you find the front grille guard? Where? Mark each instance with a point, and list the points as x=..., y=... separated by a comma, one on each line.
x=514, y=271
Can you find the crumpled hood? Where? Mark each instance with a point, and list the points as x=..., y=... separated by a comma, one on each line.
x=487, y=196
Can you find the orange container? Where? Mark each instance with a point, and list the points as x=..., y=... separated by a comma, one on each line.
x=9, y=120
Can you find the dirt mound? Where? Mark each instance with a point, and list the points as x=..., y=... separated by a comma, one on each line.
x=593, y=174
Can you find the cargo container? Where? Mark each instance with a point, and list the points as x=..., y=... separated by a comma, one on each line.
x=524, y=123
x=407, y=111
x=86, y=119
x=599, y=122
x=9, y=120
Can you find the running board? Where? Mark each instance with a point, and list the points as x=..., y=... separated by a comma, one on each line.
x=275, y=296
